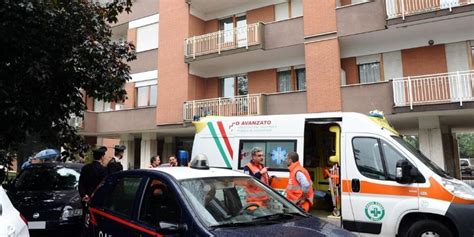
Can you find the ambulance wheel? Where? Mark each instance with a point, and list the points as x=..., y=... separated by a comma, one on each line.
x=428, y=228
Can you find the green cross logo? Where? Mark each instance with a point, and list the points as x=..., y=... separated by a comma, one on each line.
x=374, y=211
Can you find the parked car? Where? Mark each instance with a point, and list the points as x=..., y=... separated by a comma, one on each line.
x=466, y=167
x=12, y=223
x=47, y=195
x=196, y=201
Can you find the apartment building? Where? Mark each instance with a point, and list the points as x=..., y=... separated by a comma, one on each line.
x=412, y=59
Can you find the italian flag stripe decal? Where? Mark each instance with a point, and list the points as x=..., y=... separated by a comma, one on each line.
x=218, y=143
x=226, y=139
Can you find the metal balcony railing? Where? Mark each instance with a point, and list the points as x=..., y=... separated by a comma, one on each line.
x=216, y=42
x=236, y=106
x=435, y=88
x=402, y=8
x=76, y=122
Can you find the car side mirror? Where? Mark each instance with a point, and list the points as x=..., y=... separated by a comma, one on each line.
x=407, y=174
x=171, y=228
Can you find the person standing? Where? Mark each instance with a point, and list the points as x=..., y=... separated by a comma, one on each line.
x=256, y=169
x=115, y=165
x=91, y=176
x=300, y=186
x=255, y=166
x=154, y=161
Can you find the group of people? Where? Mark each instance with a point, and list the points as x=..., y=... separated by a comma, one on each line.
x=299, y=189
x=155, y=161
x=93, y=173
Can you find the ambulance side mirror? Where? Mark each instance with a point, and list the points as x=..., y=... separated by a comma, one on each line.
x=171, y=228
x=407, y=173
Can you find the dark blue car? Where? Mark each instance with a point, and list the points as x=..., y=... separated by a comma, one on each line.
x=182, y=201
x=46, y=194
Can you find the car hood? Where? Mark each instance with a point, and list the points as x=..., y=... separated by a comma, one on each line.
x=308, y=226
x=48, y=203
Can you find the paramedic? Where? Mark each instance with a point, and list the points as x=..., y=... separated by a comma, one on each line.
x=299, y=189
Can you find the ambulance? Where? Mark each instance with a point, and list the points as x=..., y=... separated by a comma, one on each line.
x=387, y=187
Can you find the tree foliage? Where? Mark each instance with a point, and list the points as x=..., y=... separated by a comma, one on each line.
x=55, y=52
x=466, y=145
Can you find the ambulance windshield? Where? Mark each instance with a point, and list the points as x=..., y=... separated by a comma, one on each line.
x=236, y=201
x=430, y=164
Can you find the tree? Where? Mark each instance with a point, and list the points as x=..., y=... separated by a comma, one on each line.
x=54, y=53
x=466, y=145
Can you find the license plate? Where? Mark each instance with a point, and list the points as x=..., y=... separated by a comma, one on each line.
x=37, y=225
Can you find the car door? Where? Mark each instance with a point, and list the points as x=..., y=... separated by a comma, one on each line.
x=377, y=200
x=114, y=209
x=162, y=206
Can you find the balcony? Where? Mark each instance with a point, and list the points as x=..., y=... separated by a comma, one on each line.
x=404, y=8
x=223, y=41
x=442, y=88
x=245, y=105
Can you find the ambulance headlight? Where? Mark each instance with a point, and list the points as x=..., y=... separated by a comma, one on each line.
x=69, y=212
x=458, y=188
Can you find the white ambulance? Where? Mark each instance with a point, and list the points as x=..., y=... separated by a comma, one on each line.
x=387, y=187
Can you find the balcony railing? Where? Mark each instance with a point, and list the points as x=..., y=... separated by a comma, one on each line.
x=402, y=8
x=216, y=42
x=433, y=89
x=237, y=106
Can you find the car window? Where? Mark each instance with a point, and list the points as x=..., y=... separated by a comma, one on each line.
x=368, y=158
x=391, y=158
x=464, y=163
x=159, y=204
x=123, y=195
x=47, y=179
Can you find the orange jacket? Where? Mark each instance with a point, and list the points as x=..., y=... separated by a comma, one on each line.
x=293, y=190
x=254, y=193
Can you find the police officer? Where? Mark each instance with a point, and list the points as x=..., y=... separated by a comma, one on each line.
x=114, y=164
x=91, y=175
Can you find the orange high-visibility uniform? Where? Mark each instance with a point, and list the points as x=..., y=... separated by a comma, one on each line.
x=294, y=191
x=254, y=193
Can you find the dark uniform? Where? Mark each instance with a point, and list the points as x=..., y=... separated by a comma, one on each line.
x=115, y=166
x=91, y=175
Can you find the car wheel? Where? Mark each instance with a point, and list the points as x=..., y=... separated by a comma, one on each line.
x=428, y=228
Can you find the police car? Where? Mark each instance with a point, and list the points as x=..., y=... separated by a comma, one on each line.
x=195, y=201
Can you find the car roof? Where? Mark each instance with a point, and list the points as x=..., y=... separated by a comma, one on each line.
x=181, y=173
x=54, y=165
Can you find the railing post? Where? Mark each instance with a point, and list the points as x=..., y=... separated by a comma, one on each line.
x=459, y=87
x=219, y=106
x=219, y=42
x=248, y=104
x=194, y=108
x=403, y=8
x=410, y=90
x=194, y=47
x=247, y=30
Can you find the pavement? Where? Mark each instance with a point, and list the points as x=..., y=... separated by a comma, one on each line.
x=325, y=215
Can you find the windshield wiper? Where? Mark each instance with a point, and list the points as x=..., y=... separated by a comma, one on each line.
x=289, y=215
x=232, y=224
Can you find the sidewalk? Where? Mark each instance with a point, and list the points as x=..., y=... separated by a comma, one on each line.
x=325, y=216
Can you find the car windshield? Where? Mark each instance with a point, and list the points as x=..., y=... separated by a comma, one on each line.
x=430, y=164
x=235, y=201
x=47, y=179
x=464, y=163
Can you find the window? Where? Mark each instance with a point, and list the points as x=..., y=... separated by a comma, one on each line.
x=228, y=86
x=159, y=204
x=147, y=37
x=122, y=197
x=391, y=158
x=368, y=158
x=102, y=106
x=284, y=81
x=275, y=152
x=374, y=162
x=289, y=9
x=240, y=35
x=300, y=79
x=369, y=73
x=146, y=95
